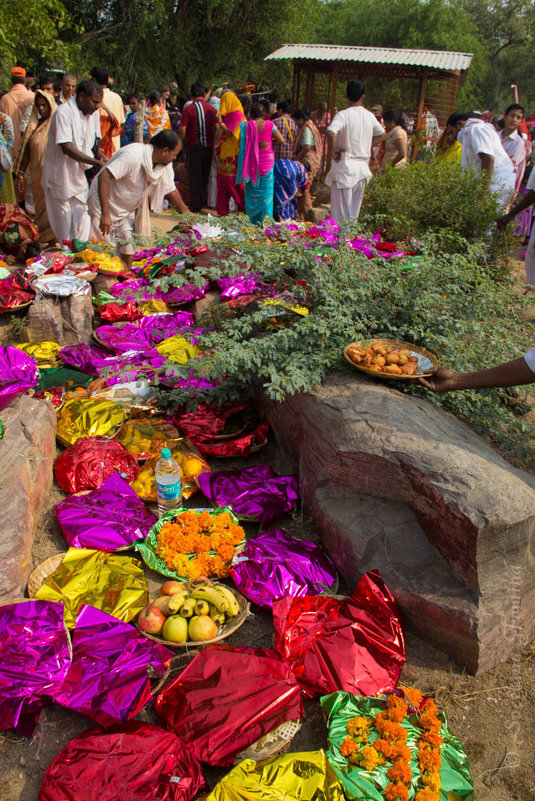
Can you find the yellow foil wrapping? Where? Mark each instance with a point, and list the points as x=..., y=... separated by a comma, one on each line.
x=177, y=349
x=110, y=582
x=291, y=777
x=88, y=417
x=153, y=306
x=44, y=353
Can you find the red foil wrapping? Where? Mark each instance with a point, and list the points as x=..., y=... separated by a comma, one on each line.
x=119, y=312
x=205, y=427
x=354, y=644
x=227, y=698
x=133, y=762
x=90, y=461
x=15, y=291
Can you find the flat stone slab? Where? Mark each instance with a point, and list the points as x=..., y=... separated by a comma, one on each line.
x=27, y=453
x=379, y=469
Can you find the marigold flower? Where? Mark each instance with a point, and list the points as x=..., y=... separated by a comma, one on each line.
x=385, y=747
x=396, y=707
x=429, y=760
x=430, y=722
x=430, y=706
x=358, y=727
x=425, y=794
x=400, y=771
x=396, y=792
x=369, y=758
x=413, y=696
x=431, y=781
x=401, y=751
x=432, y=739
x=348, y=746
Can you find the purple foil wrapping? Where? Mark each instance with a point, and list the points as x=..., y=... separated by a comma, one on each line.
x=255, y=491
x=240, y=285
x=34, y=659
x=162, y=326
x=18, y=372
x=185, y=294
x=129, y=366
x=83, y=357
x=105, y=519
x=275, y=565
x=135, y=291
x=109, y=677
x=124, y=339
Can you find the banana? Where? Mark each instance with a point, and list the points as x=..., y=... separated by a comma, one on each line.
x=176, y=602
x=217, y=616
x=202, y=608
x=213, y=596
x=233, y=607
x=188, y=608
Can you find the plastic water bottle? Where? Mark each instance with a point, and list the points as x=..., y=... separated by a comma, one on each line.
x=168, y=483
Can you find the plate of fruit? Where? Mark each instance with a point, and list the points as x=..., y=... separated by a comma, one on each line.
x=391, y=358
x=195, y=614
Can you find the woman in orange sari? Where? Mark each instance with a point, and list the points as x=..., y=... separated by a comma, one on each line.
x=32, y=153
x=308, y=150
x=156, y=114
x=226, y=152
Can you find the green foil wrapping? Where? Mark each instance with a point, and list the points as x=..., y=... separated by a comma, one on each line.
x=305, y=776
x=369, y=785
x=115, y=584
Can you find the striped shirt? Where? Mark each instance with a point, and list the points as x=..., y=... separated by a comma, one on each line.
x=199, y=119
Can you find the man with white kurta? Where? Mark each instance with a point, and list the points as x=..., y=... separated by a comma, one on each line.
x=351, y=136
x=73, y=137
x=483, y=151
x=135, y=173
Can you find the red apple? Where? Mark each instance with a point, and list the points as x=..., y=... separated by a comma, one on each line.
x=171, y=587
x=161, y=603
x=151, y=619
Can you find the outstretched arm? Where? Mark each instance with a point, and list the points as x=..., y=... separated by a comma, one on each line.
x=509, y=374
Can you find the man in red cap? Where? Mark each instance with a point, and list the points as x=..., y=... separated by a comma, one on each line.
x=15, y=102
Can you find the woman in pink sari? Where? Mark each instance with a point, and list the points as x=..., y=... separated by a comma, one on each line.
x=226, y=152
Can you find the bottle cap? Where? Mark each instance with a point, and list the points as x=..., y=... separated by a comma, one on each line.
x=166, y=453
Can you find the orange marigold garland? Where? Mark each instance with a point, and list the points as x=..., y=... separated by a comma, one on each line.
x=391, y=745
x=199, y=543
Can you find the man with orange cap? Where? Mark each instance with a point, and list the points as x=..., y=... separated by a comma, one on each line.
x=15, y=102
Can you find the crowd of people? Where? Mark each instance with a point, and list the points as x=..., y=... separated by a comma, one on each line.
x=81, y=161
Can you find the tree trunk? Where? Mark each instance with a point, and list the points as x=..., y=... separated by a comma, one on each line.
x=140, y=119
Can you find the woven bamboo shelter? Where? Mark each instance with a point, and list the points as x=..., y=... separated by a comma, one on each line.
x=412, y=81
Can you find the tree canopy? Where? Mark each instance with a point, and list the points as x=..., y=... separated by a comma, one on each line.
x=146, y=42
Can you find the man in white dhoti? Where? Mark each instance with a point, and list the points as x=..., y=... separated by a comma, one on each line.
x=483, y=150
x=73, y=139
x=135, y=173
x=351, y=136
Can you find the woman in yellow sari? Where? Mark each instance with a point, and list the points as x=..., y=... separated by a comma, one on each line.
x=227, y=150
x=449, y=148
x=32, y=153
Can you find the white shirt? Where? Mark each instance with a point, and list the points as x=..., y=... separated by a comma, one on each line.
x=513, y=144
x=354, y=127
x=530, y=359
x=128, y=169
x=479, y=136
x=62, y=176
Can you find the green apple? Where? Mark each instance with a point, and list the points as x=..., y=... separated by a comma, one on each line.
x=175, y=629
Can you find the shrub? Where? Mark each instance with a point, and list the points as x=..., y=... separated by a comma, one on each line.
x=448, y=304
x=434, y=196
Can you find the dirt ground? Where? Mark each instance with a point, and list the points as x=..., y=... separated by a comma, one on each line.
x=491, y=714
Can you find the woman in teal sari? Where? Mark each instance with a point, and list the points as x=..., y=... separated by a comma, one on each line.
x=255, y=163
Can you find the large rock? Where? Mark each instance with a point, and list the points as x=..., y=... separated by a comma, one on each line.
x=63, y=320
x=27, y=453
x=399, y=485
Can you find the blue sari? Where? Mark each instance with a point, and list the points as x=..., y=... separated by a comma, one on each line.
x=289, y=177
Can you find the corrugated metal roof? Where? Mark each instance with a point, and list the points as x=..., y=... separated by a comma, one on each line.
x=434, y=59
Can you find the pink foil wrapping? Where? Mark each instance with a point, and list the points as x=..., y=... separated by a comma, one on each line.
x=256, y=491
x=275, y=565
x=34, y=659
x=241, y=285
x=179, y=295
x=18, y=372
x=133, y=761
x=105, y=519
x=108, y=679
x=227, y=698
x=354, y=644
